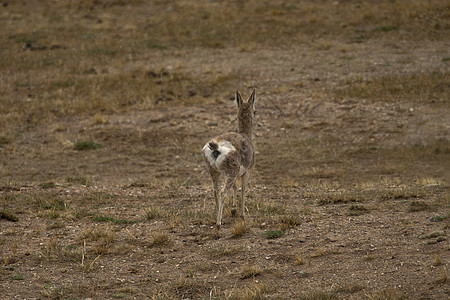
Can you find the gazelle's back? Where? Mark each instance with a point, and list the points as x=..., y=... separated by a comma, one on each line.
x=230, y=153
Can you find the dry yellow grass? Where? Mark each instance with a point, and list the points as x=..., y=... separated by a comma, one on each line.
x=77, y=49
x=239, y=228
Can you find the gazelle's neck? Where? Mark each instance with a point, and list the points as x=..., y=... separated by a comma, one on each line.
x=245, y=127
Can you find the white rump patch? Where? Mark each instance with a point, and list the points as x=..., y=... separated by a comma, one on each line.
x=225, y=147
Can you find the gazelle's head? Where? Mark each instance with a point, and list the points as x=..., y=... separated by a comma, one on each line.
x=246, y=112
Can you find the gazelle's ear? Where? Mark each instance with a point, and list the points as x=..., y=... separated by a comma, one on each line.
x=238, y=99
x=251, y=100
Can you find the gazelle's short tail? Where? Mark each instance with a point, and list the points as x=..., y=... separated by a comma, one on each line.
x=215, y=149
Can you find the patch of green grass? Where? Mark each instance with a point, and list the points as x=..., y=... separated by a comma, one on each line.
x=47, y=185
x=273, y=234
x=438, y=218
x=22, y=84
x=102, y=52
x=23, y=39
x=50, y=202
x=266, y=209
x=153, y=45
x=18, y=277
x=78, y=179
x=61, y=84
x=87, y=145
x=386, y=28
x=190, y=274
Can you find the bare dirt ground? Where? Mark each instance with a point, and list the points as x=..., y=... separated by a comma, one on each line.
x=104, y=193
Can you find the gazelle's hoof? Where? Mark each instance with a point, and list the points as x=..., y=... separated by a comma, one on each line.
x=218, y=226
x=233, y=212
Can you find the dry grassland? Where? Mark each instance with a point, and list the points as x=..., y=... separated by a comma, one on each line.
x=106, y=104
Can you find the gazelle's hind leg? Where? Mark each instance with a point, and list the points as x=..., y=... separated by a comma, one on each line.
x=233, y=210
x=221, y=199
x=217, y=195
x=230, y=183
x=244, y=179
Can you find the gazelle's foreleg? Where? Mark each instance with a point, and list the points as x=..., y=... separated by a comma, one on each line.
x=244, y=179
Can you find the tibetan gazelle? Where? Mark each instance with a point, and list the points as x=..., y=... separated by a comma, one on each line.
x=231, y=155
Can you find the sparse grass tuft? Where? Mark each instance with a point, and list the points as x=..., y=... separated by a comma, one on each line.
x=299, y=259
x=349, y=288
x=357, y=210
x=78, y=179
x=239, y=228
x=385, y=294
x=95, y=234
x=223, y=250
x=151, y=213
x=320, y=252
x=437, y=260
x=288, y=222
x=273, y=234
x=160, y=239
x=8, y=216
x=18, y=277
x=429, y=181
x=443, y=276
x=100, y=119
x=249, y=271
x=369, y=257
x=47, y=185
x=5, y=140
x=50, y=202
x=184, y=288
x=416, y=206
x=266, y=209
x=256, y=291
x=341, y=197
x=386, y=28
x=319, y=295
x=87, y=145
x=53, y=249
